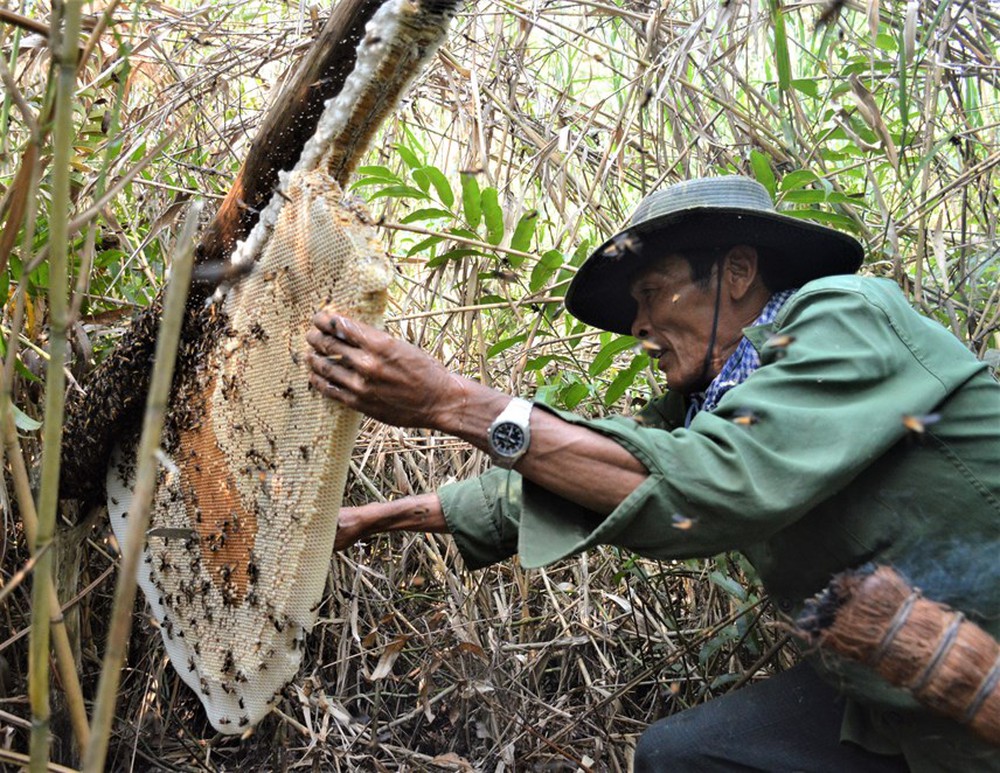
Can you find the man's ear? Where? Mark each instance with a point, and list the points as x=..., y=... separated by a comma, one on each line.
x=740, y=266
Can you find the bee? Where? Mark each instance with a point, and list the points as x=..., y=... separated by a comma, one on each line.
x=744, y=417
x=682, y=522
x=215, y=272
x=779, y=344
x=243, y=205
x=831, y=13
x=780, y=341
x=919, y=424
x=225, y=721
x=167, y=533
x=620, y=244
x=244, y=721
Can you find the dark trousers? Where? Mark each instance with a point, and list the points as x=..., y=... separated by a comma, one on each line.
x=790, y=722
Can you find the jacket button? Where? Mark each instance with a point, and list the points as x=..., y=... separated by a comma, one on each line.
x=785, y=605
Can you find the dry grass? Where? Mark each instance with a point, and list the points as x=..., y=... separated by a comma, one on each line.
x=570, y=109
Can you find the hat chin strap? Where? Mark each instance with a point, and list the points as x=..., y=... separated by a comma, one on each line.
x=706, y=365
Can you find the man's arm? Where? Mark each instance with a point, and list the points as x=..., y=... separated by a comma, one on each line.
x=371, y=372
x=414, y=513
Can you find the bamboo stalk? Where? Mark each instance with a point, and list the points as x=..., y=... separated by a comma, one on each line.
x=64, y=53
x=156, y=409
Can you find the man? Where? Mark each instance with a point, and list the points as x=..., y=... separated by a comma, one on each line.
x=784, y=434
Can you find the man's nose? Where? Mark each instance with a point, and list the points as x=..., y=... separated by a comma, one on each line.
x=640, y=326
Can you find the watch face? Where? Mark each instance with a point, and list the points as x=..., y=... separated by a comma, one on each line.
x=508, y=439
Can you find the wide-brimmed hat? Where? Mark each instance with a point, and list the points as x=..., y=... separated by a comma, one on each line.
x=708, y=212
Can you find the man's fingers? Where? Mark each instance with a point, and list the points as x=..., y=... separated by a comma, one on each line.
x=336, y=389
x=328, y=389
x=342, y=328
x=332, y=367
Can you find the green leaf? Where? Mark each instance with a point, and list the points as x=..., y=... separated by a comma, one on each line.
x=456, y=254
x=607, y=353
x=762, y=170
x=399, y=192
x=807, y=86
x=573, y=394
x=464, y=233
x=382, y=172
x=782, y=60
x=427, y=213
x=523, y=235
x=23, y=372
x=537, y=363
x=832, y=219
x=549, y=263
x=424, y=245
x=471, y=199
x=441, y=185
x=797, y=179
x=408, y=156
x=732, y=588
x=805, y=196
x=886, y=43
x=492, y=215
x=625, y=379
x=500, y=346
x=23, y=421
x=422, y=179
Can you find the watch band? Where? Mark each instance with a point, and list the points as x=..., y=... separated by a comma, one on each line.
x=510, y=433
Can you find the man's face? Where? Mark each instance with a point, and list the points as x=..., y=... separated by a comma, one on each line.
x=675, y=315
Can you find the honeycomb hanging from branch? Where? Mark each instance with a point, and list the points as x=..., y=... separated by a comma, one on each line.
x=245, y=512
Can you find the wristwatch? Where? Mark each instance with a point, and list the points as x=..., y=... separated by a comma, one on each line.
x=510, y=433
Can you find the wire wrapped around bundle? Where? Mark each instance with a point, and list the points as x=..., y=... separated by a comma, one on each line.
x=873, y=615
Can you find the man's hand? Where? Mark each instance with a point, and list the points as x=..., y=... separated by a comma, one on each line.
x=415, y=513
x=381, y=376
x=352, y=526
x=396, y=383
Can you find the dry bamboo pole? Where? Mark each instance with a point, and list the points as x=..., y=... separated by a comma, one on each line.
x=146, y=477
x=64, y=55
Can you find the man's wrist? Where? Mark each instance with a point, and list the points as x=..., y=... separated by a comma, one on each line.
x=470, y=410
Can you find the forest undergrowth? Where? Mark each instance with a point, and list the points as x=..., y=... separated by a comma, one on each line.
x=528, y=140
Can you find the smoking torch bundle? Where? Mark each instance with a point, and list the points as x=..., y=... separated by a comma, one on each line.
x=873, y=615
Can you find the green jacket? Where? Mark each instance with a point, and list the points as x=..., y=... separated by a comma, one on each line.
x=827, y=477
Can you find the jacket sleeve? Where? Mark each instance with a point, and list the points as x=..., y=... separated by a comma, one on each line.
x=815, y=414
